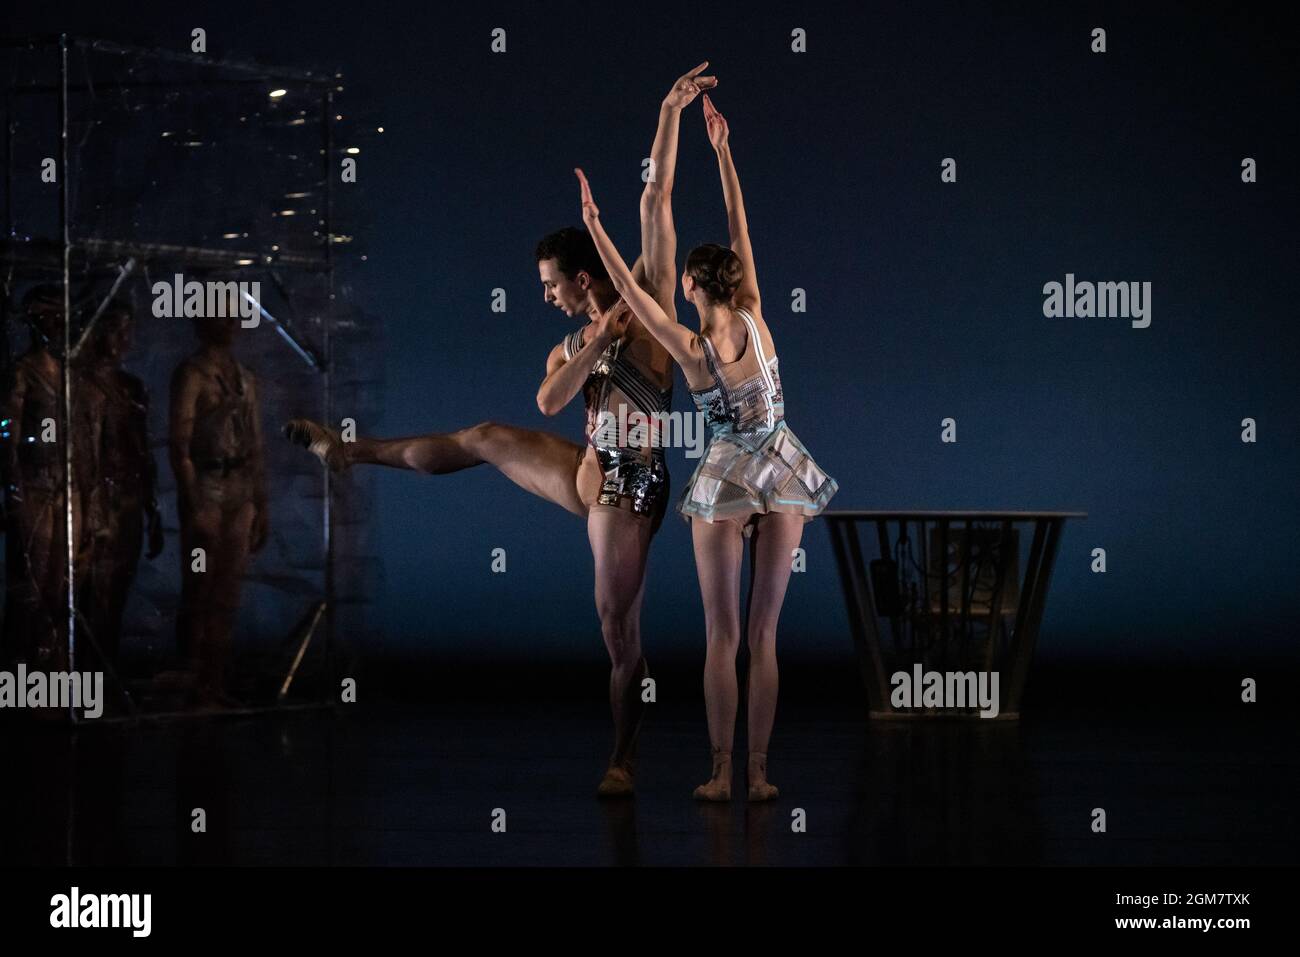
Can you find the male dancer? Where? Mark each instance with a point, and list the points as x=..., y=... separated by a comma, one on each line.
x=618, y=484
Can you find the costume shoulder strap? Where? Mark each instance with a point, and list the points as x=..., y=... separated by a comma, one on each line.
x=751, y=325
x=572, y=344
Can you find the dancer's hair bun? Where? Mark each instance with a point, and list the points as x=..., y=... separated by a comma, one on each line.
x=716, y=269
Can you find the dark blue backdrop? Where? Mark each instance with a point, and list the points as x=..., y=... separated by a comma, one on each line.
x=924, y=298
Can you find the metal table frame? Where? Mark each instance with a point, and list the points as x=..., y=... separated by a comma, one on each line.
x=861, y=601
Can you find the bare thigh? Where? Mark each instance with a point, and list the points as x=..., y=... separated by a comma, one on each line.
x=719, y=550
x=620, y=542
x=774, y=539
x=538, y=462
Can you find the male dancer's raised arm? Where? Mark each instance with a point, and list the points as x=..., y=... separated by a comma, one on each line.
x=747, y=293
x=658, y=235
x=655, y=270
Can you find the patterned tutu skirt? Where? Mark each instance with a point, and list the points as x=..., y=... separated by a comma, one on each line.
x=742, y=473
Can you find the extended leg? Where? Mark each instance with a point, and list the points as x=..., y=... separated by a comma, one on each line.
x=537, y=462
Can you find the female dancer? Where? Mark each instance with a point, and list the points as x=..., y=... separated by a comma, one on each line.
x=755, y=478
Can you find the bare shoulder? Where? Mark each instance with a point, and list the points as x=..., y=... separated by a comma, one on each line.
x=555, y=358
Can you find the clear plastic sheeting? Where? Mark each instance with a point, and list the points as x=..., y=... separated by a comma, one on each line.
x=179, y=212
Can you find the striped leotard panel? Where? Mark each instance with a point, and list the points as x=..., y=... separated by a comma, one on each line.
x=614, y=371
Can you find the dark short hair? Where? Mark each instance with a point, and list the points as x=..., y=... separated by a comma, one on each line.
x=573, y=251
x=717, y=270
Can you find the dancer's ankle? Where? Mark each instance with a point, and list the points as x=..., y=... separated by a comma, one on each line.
x=625, y=759
x=760, y=789
x=718, y=787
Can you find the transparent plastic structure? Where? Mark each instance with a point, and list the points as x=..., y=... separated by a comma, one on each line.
x=172, y=297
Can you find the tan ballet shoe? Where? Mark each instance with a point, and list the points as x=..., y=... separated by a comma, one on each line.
x=617, y=782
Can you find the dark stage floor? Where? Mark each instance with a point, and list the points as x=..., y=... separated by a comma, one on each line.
x=418, y=784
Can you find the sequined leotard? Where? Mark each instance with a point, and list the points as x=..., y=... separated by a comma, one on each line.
x=635, y=475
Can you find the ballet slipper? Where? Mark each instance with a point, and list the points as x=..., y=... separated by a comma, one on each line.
x=617, y=782
x=719, y=786
x=759, y=789
x=321, y=442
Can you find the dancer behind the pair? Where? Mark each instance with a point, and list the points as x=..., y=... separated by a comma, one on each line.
x=619, y=484
x=123, y=513
x=755, y=478
x=216, y=455
x=36, y=519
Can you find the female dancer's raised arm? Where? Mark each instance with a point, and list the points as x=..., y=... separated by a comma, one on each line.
x=747, y=293
x=676, y=338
